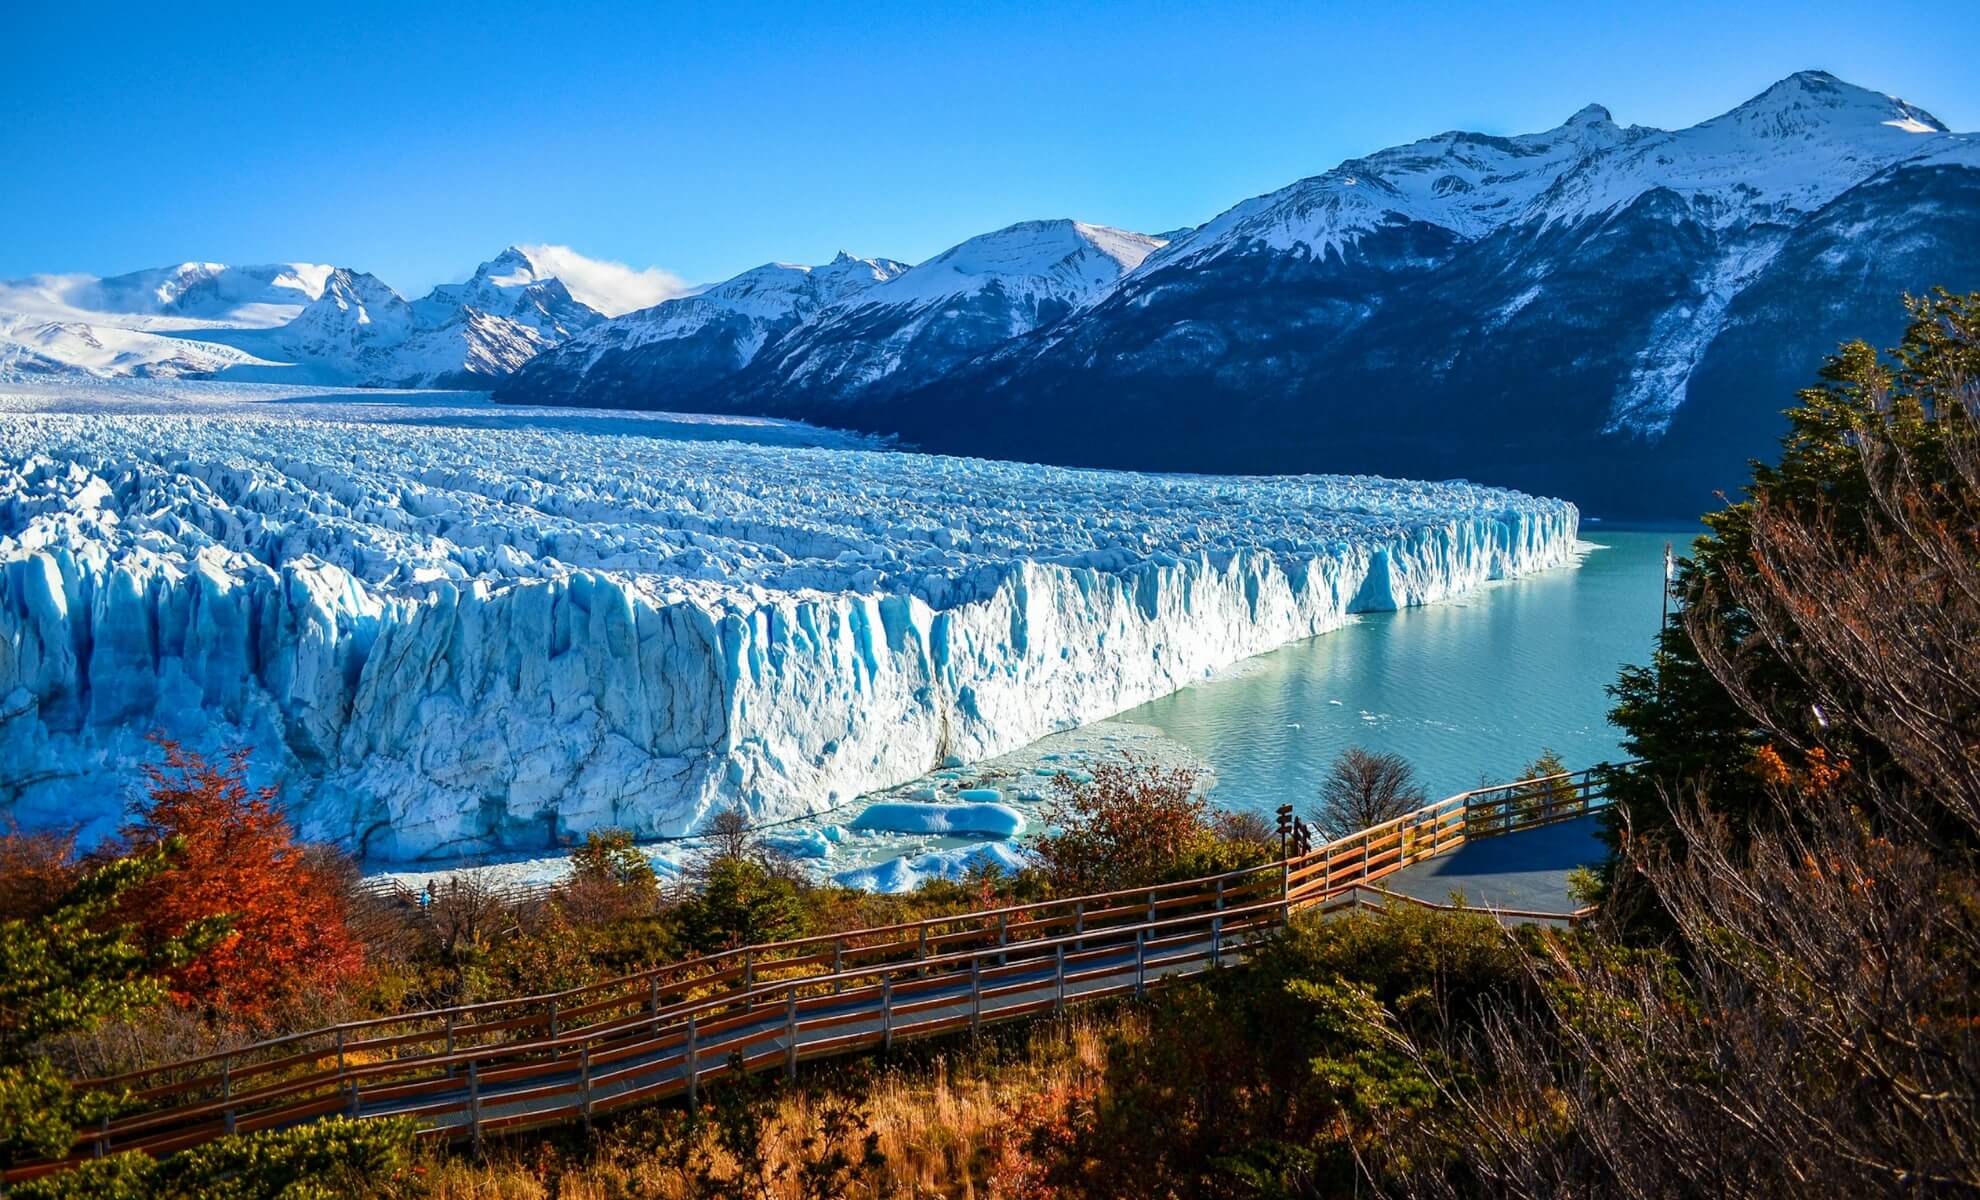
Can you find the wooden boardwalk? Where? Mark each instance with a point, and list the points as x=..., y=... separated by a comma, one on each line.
x=530, y=1061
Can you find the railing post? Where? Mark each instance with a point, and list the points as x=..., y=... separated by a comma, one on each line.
x=653, y=1000
x=1151, y=906
x=838, y=964
x=1141, y=962
x=584, y=1087
x=1003, y=930
x=921, y=949
x=226, y=1089
x=553, y=1021
x=474, y=1105
x=103, y=1136
x=887, y=1012
x=340, y=1049
x=749, y=970
x=693, y=1065
x=975, y=993
x=355, y=1100
x=790, y=1034
x=1079, y=927
x=1285, y=889
x=1059, y=979
x=450, y=1043
x=1217, y=929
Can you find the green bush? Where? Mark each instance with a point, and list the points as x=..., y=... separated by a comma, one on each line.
x=336, y=1157
x=1267, y=1079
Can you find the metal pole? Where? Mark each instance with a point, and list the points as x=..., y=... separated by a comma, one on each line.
x=1003, y=929
x=1141, y=962
x=553, y=1020
x=1079, y=926
x=226, y=1089
x=749, y=970
x=584, y=1086
x=1059, y=979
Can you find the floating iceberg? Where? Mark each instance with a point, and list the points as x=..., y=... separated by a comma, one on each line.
x=955, y=820
x=909, y=872
x=443, y=639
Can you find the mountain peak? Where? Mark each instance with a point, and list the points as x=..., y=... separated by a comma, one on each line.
x=1589, y=114
x=513, y=267
x=1808, y=101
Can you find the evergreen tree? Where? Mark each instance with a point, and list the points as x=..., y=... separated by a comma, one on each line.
x=65, y=970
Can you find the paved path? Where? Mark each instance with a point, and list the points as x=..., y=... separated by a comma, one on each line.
x=1525, y=871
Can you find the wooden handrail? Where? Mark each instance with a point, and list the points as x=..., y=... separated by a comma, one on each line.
x=550, y=1034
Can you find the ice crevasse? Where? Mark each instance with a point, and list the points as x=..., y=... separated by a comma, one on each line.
x=442, y=641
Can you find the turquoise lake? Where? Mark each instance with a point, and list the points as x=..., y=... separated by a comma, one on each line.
x=1467, y=690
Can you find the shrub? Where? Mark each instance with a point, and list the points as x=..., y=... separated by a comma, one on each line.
x=1132, y=825
x=67, y=970
x=1270, y=1079
x=335, y=1157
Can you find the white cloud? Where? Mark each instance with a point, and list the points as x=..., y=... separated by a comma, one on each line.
x=610, y=287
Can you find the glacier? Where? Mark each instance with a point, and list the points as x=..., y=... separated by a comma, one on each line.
x=453, y=631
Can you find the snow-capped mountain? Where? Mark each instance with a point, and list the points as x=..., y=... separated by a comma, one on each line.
x=967, y=299
x=1615, y=314
x=681, y=349
x=148, y=323
x=242, y=297
x=878, y=326
x=298, y=322
x=457, y=335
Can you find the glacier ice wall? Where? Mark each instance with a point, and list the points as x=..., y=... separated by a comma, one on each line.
x=443, y=641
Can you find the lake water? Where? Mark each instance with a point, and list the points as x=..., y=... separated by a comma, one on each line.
x=1466, y=690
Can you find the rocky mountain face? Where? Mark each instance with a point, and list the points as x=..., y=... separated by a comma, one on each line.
x=841, y=334
x=684, y=351
x=458, y=335
x=1614, y=314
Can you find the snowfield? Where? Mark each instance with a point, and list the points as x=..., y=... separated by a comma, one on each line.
x=449, y=629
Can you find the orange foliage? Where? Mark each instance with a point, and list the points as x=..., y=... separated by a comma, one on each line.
x=241, y=860
x=35, y=869
x=1815, y=778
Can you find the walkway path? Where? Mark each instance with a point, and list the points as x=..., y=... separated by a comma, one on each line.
x=1528, y=872
x=537, y=1060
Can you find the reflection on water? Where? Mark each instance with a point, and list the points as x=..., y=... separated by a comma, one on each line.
x=1463, y=690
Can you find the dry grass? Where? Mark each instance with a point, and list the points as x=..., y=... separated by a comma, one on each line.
x=951, y=1124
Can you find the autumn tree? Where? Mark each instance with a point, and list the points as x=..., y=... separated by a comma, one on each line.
x=286, y=911
x=1130, y=825
x=1364, y=788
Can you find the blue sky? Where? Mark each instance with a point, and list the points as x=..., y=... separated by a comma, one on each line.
x=414, y=140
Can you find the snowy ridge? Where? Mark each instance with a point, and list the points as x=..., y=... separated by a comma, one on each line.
x=970, y=298
x=446, y=640
x=1788, y=151
x=1036, y=261
x=767, y=300
x=1469, y=183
